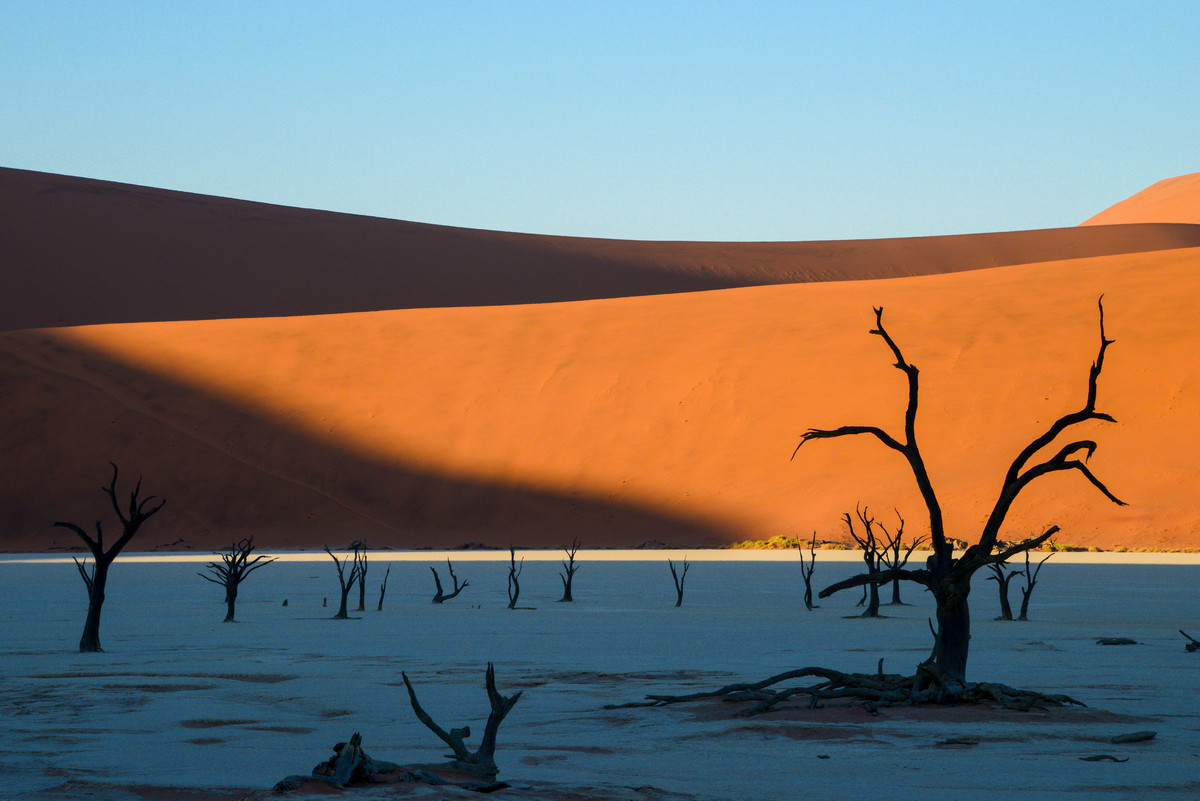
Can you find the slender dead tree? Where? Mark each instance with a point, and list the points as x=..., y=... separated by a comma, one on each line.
x=568, y=574
x=235, y=565
x=346, y=583
x=949, y=578
x=132, y=518
x=1002, y=578
x=806, y=570
x=870, y=546
x=441, y=596
x=514, y=573
x=895, y=556
x=1030, y=582
x=678, y=578
x=360, y=564
x=383, y=588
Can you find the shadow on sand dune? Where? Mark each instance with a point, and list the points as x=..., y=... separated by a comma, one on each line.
x=229, y=472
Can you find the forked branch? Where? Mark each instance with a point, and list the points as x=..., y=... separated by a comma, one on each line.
x=482, y=761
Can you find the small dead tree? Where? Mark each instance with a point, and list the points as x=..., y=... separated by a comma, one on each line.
x=360, y=564
x=1030, y=582
x=440, y=596
x=346, y=583
x=1003, y=578
x=568, y=574
x=383, y=588
x=678, y=578
x=132, y=518
x=514, y=573
x=482, y=761
x=235, y=565
x=806, y=570
x=895, y=556
x=871, y=547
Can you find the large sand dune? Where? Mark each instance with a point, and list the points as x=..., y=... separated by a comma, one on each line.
x=620, y=419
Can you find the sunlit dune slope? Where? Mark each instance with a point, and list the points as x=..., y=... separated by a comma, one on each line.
x=79, y=251
x=1173, y=200
x=621, y=420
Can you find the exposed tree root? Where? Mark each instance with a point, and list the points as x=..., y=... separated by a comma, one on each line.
x=873, y=689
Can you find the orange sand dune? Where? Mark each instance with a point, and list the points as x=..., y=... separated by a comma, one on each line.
x=620, y=420
x=669, y=417
x=1174, y=200
x=80, y=251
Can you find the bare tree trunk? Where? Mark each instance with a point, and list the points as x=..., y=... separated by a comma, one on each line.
x=383, y=588
x=678, y=579
x=568, y=574
x=806, y=570
x=441, y=596
x=953, y=635
x=138, y=512
x=235, y=565
x=89, y=642
x=360, y=564
x=1002, y=580
x=514, y=572
x=1030, y=583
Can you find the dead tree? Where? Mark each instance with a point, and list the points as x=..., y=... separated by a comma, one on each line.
x=895, y=556
x=806, y=570
x=235, y=565
x=360, y=564
x=678, y=579
x=1002, y=578
x=345, y=583
x=471, y=770
x=437, y=581
x=568, y=574
x=132, y=518
x=870, y=546
x=383, y=588
x=514, y=573
x=1030, y=581
x=949, y=578
x=482, y=761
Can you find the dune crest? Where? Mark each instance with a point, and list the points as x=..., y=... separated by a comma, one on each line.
x=82, y=252
x=1173, y=200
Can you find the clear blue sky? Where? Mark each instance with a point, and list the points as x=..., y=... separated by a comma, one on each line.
x=654, y=120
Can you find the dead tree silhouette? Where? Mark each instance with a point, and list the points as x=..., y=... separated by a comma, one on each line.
x=235, y=565
x=132, y=518
x=943, y=676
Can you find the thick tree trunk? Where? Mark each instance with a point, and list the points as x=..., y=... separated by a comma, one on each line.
x=896, y=593
x=953, y=635
x=90, y=641
x=230, y=602
x=1005, y=607
x=872, y=609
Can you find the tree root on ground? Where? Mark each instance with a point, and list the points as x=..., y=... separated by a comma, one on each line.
x=873, y=689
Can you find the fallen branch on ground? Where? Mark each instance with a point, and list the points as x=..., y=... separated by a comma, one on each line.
x=471, y=770
x=873, y=689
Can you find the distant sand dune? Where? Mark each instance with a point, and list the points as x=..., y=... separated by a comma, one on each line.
x=80, y=252
x=1174, y=200
x=619, y=420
